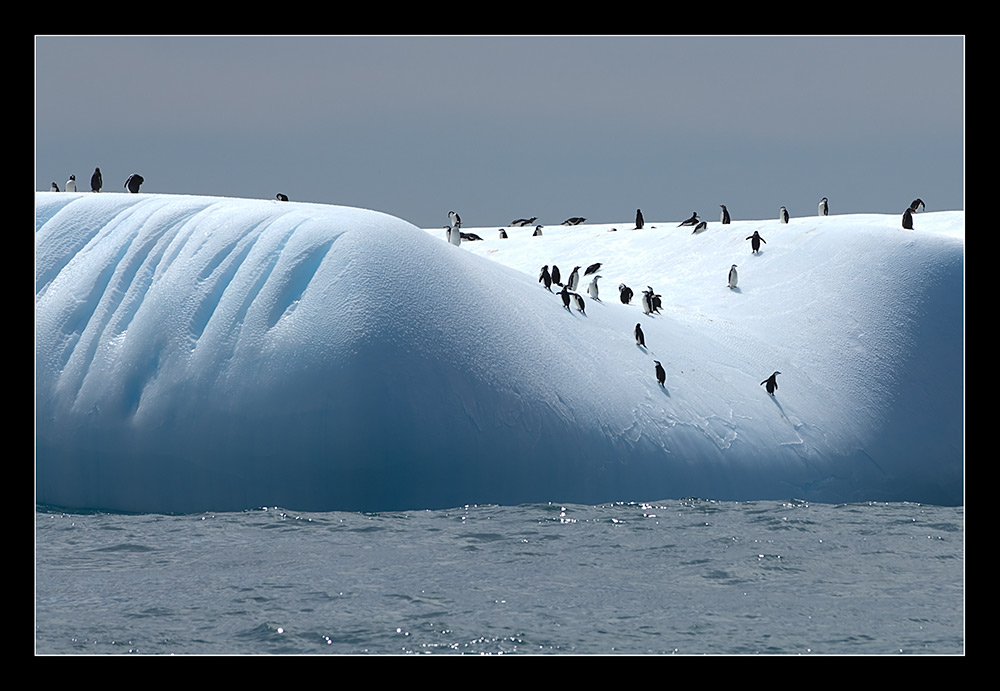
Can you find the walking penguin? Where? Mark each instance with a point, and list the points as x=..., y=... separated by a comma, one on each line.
x=639, y=222
x=640, y=337
x=564, y=294
x=755, y=241
x=592, y=288
x=771, y=383
x=545, y=279
x=574, y=278
x=661, y=374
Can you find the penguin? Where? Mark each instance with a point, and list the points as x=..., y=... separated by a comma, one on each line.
x=454, y=220
x=574, y=221
x=908, y=219
x=54, y=188
x=503, y=234
x=625, y=293
x=639, y=222
x=545, y=279
x=917, y=205
x=537, y=233
x=640, y=337
x=655, y=303
x=134, y=182
x=702, y=225
x=725, y=215
x=661, y=374
x=824, y=207
x=96, y=181
x=71, y=184
x=691, y=221
x=783, y=214
x=556, y=276
x=564, y=294
x=471, y=237
x=647, y=301
x=281, y=197
x=592, y=268
x=454, y=236
x=592, y=288
x=574, y=278
x=578, y=300
x=521, y=222
x=733, y=277
x=771, y=383
x=756, y=239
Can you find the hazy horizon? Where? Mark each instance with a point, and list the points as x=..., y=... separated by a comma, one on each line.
x=498, y=128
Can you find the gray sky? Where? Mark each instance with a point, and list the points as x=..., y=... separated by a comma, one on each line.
x=498, y=128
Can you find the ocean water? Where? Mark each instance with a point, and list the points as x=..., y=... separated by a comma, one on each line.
x=685, y=577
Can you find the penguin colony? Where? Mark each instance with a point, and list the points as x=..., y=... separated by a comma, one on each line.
x=650, y=301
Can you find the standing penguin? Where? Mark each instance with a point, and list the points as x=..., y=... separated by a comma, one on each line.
x=647, y=301
x=564, y=294
x=824, y=207
x=733, y=277
x=134, y=182
x=624, y=293
x=691, y=221
x=908, y=219
x=96, y=181
x=783, y=214
x=54, y=188
x=538, y=232
x=592, y=288
x=574, y=278
x=640, y=337
x=639, y=222
x=556, y=276
x=71, y=184
x=917, y=205
x=756, y=239
x=578, y=301
x=545, y=279
x=661, y=374
x=771, y=383
x=725, y=215
x=503, y=234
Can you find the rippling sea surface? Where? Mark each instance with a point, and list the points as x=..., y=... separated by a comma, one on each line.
x=673, y=577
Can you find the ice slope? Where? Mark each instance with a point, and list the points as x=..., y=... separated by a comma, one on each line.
x=198, y=353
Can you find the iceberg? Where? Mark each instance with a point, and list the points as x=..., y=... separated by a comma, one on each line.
x=202, y=353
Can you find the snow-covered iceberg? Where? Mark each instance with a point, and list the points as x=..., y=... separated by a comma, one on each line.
x=198, y=353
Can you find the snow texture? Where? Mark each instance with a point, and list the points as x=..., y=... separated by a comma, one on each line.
x=200, y=353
